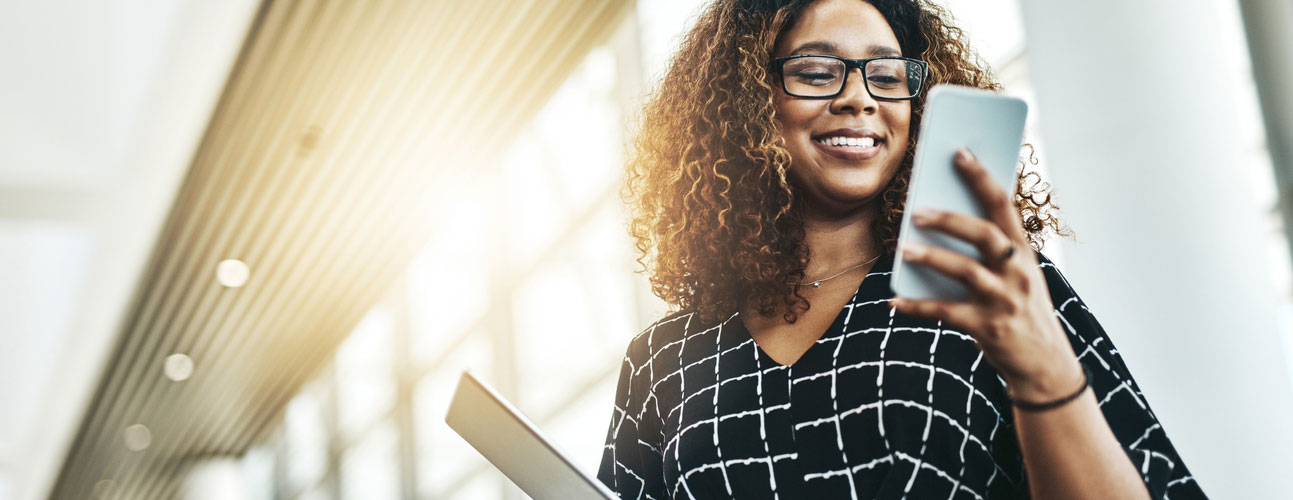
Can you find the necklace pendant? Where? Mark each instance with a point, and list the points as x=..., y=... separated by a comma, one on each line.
x=817, y=284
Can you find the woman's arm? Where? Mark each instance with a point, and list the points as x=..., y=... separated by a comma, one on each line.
x=1070, y=452
x=1029, y=323
x=630, y=464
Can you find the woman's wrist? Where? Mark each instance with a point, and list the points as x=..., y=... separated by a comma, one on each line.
x=1065, y=382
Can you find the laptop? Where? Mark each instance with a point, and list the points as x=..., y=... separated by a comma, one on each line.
x=515, y=445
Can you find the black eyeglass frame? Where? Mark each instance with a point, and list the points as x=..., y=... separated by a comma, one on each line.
x=780, y=62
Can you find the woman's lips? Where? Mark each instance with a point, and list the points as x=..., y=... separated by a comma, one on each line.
x=851, y=153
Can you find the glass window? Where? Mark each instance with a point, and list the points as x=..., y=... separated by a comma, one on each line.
x=365, y=375
x=319, y=492
x=573, y=316
x=581, y=131
x=580, y=429
x=483, y=485
x=443, y=457
x=257, y=470
x=569, y=159
x=449, y=281
x=534, y=215
x=307, y=437
x=370, y=470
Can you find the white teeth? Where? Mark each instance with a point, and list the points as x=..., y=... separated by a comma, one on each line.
x=861, y=142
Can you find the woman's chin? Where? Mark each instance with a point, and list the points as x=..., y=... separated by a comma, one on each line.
x=843, y=201
x=853, y=193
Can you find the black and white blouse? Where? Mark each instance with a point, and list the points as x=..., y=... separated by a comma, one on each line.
x=883, y=406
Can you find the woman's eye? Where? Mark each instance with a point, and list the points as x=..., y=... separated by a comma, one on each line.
x=810, y=77
x=884, y=80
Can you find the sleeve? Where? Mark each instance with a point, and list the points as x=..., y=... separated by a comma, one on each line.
x=632, y=464
x=1124, y=406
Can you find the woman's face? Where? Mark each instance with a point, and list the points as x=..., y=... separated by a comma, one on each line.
x=837, y=180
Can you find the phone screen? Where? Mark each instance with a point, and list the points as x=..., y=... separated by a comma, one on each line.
x=991, y=125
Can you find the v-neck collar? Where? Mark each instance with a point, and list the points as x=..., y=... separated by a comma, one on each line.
x=877, y=273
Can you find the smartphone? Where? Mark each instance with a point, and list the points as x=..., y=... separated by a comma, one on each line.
x=991, y=125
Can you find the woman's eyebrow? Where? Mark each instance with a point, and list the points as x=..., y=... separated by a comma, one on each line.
x=882, y=50
x=818, y=46
x=822, y=46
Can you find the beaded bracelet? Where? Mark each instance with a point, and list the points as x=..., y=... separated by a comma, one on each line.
x=1027, y=406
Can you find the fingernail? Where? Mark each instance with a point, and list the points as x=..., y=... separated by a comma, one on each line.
x=914, y=250
x=922, y=216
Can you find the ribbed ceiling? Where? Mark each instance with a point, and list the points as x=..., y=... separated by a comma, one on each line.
x=319, y=169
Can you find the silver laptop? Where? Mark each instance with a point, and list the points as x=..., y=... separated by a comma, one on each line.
x=516, y=446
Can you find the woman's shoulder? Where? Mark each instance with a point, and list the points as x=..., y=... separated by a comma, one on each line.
x=672, y=327
x=1061, y=290
x=666, y=331
x=1044, y=261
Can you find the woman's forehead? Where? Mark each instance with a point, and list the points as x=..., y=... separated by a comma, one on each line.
x=830, y=47
x=847, y=28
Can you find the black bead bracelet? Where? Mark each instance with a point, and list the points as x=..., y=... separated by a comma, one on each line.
x=1027, y=406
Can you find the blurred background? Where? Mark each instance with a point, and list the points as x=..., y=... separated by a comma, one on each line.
x=247, y=248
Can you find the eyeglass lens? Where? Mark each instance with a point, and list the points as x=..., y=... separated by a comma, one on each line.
x=824, y=76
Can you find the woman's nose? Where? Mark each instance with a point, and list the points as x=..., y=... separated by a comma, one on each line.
x=854, y=98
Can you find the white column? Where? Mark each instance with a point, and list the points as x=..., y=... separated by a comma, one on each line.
x=1139, y=119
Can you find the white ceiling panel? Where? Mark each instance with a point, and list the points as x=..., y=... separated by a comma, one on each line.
x=43, y=266
x=77, y=75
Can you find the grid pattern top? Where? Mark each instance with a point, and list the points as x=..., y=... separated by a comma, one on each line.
x=882, y=406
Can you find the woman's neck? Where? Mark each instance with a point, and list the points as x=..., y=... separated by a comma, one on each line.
x=837, y=242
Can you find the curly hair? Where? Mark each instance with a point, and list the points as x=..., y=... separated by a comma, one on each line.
x=713, y=213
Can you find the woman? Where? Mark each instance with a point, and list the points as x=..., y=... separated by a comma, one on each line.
x=768, y=181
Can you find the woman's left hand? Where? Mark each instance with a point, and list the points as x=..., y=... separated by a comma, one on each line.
x=1010, y=313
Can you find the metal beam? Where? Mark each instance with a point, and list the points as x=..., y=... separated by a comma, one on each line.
x=1270, y=46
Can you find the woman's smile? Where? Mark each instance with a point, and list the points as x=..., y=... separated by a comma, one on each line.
x=851, y=145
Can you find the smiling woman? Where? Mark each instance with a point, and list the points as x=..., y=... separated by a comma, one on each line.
x=715, y=205
x=768, y=184
x=836, y=176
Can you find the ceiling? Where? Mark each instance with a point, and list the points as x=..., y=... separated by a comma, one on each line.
x=147, y=141
x=102, y=106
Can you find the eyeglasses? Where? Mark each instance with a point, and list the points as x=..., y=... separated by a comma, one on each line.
x=817, y=76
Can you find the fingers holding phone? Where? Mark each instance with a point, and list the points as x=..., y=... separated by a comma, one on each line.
x=971, y=189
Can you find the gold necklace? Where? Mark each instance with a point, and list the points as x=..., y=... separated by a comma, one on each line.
x=817, y=283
